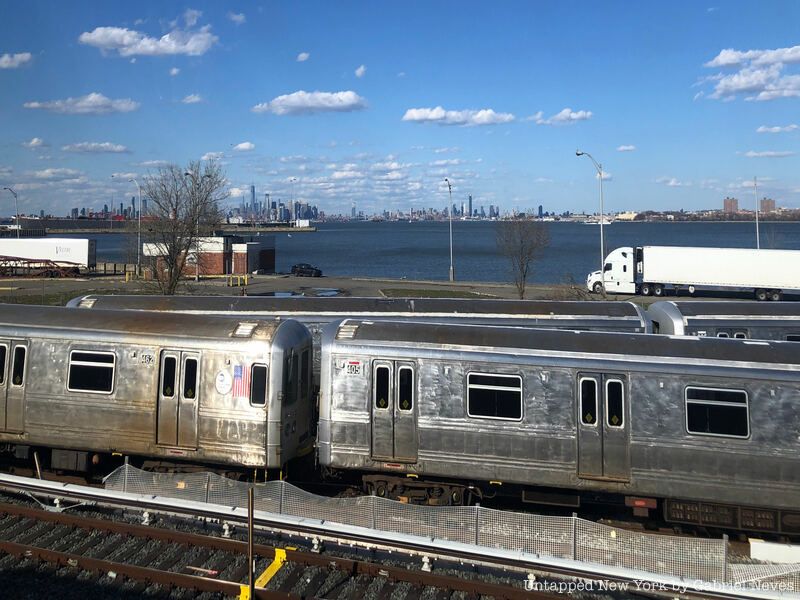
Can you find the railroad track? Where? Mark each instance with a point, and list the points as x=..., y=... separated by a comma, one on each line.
x=145, y=559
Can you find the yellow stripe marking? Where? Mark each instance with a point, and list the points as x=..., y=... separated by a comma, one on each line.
x=269, y=573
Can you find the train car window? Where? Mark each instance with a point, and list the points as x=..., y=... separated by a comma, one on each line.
x=3, y=351
x=405, y=381
x=91, y=372
x=588, y=401
x=381, y=391
x=190, y=378
x=740, y=335
x=723, y=334
x=304, y=374
x=258, y=385
x=615, y=403
x=168, y=377
x=494, y=396
x=719, y=412
x=290, y=379
x=18, y=369
x=793, y=337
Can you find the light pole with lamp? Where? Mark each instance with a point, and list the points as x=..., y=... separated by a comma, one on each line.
x=450, y=218
x=16, y=209
x=196, y=227
x=755, y=192
x=599, y=168
x=139, y=229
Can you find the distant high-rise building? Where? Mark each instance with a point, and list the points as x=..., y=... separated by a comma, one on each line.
x=541, y=211
x=353, y=210
x=730, y=205
x=121, y=208
x=253, y=198
x=469, y=202
x=767, y=205
x=144, y=206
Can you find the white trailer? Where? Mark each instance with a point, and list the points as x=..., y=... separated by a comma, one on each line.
x=64, y=252
x=653, y=270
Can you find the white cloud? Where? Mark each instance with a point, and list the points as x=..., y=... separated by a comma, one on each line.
x=34, y=143
x=446, y=149
x=447, y=162
x=127, y=42
x=238, y=192
x=244, y=147
x=14, y=61
x=124, y=176
x=191, y=16
x=673, y=182
x=626, y=148
x=360, y=71
x=606, y=176
x=91, y=104
x=154, y=164
x=466, y=118
x=303, y=102
x=192, y=99
x=303, y=56
x=237, y=18
x=347, y=174
x=565, y=117
x=56, y=174
x=759, y=74
x=543, y=180
x=95, y=147
x=174, y=71
x=768, y=154
x=776, y=129
x=212, y=156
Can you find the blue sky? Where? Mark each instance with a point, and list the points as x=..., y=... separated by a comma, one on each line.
x=374, y=102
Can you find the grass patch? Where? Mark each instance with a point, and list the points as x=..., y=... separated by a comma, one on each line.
x=428, y=293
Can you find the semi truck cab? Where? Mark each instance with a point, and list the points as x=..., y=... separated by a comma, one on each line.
x=619, y=273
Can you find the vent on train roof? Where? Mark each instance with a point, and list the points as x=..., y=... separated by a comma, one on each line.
x=244, y=330
x=347, y=331
x=87, y=302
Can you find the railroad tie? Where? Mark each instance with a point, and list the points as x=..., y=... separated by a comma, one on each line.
x=269, y=573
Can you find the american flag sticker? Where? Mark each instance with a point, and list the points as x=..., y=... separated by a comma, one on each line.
x=241, y=381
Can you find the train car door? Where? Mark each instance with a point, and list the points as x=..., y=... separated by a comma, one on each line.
x=13, y=355
x=394, y=421
x=178, y=394
x=602, y=423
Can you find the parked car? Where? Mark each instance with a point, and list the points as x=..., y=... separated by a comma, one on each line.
x=306, y=270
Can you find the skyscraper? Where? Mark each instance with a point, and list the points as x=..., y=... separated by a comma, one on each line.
x=470, y=206
x=253, y=198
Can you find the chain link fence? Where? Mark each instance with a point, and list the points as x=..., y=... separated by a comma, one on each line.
x=559, y=537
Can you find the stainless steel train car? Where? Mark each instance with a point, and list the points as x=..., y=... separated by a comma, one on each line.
x=315, y=313
x=706, y=428
x=744, y=320
x=167, y=386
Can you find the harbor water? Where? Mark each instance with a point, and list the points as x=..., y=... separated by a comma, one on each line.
x=420, y=250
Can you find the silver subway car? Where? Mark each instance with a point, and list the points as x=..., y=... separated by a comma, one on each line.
x=167, y=386
x=315, y=313
x=706, y=428
x=744, y=320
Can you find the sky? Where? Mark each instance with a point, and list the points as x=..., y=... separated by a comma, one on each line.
x=683, y=102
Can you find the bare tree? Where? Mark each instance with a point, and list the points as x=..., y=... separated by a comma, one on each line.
x=183, y=206
x=521, y=242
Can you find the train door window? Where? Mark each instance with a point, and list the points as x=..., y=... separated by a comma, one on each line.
x=190, y=378
x=381, y=389
x=18, y=367
x=494, y=396
x=793, y=337
x=3, y=353
x=304, y=374
x=290, y=379
x=91, y=372
x=405, y=382
x=740, y=335
x=615, y=403
x=168, y=376
x=258, y=385
x=588, y=387
x=718, y=412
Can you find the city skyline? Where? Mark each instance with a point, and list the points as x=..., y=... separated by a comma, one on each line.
x=334, y=104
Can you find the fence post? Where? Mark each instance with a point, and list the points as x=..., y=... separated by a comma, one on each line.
x=574, y=536
x=125, y=480
x=373, y=500
x=477, y=523
x=280, y=501
x=208, y=486
x=725, y=558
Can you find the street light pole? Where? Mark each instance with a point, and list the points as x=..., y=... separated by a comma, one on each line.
x=450, y=218
x=16, y=209
x=599, y=168
x=755, y=191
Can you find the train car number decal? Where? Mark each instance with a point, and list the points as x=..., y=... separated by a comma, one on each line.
x=354, y=367
x=148, y=360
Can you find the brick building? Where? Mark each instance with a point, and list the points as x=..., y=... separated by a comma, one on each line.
x=730, y=205
x=227, y=255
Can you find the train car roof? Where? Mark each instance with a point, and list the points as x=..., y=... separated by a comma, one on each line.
x=147, y=323
x=349, y=305
x=560, y=340
x=738, y=309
